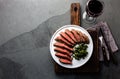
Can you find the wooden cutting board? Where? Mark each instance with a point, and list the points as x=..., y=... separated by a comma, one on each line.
x=93, y=64
x=75, y=13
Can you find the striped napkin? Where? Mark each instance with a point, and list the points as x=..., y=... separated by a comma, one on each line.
x=108, y=40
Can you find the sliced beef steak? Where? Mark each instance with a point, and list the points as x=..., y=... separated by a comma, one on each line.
x=61, y=39
x=64, y=35
x=76, y=35
x=70, y=34
x=84, y=38
x=64, y=51
x=65, y=61
x=61, y=55
x=62, y=45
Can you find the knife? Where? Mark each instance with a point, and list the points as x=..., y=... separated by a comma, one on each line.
x=106, y=58
x=113, y=58
x=105, y=51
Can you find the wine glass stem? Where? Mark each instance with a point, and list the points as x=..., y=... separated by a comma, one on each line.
x=88, y=19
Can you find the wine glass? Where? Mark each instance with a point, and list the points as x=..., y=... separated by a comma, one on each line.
x=94, y=8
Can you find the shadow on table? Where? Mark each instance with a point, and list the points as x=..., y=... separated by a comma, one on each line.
x=10, y=70
x=81, y=75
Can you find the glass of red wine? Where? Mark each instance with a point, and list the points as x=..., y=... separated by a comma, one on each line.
x=94, y=8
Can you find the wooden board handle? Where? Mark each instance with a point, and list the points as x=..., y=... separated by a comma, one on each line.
x=75, y=13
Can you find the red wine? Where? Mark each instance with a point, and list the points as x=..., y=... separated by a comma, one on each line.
x=94, y=8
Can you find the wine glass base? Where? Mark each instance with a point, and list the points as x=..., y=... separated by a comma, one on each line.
x=88, y=19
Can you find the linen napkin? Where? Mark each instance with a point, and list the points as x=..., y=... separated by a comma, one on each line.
x=108, y=42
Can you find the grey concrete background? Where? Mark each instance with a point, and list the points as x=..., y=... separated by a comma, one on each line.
x=26, y=27
x=19, y=16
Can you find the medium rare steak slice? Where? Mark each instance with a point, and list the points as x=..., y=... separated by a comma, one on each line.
x=70, y=34
x=64, y=35
x=62, y=45
x=61, y=39
x=60, y=55
x=84, y=38
x=81, y=36
x=62, y=50
x=65, y=61
x=76, y=35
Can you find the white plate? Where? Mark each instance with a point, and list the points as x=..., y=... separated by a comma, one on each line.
x=75, y=63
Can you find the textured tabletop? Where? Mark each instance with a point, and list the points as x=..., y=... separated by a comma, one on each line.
x=25, y=53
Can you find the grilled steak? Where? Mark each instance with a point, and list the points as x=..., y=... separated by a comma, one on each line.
x=61, y=39
x=65, y=42
x=62, y=50
x=84, y=38
x=64, y=35
x=76, y=35
x=65, y=61
x=62, y=45
x=60, y=55
x=70, y=34
x=81, y=36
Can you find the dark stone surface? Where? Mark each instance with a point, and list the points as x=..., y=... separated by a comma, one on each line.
x=27, y=56
x=10, y=69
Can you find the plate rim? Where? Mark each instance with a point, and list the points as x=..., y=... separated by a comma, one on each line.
x=65, y=26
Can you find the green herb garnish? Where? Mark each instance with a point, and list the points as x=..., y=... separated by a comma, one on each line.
x=80, y=51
